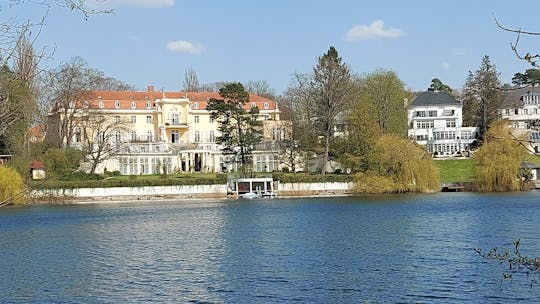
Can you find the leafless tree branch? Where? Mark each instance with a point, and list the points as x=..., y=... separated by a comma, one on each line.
x=531, y=58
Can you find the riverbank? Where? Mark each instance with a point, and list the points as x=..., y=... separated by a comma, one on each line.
x=66, y=196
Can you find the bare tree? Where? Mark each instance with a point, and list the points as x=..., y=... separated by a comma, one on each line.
x=18, y=97
x=191, y=81
x=297, y=107
x=101, y=136
x=531, y=58
x=261, y=88
x=66, y=90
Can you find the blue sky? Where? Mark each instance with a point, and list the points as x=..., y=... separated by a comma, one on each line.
x=153, y=42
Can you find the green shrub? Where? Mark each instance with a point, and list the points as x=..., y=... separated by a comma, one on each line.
x=61, y=162
x=11, y=186
x=374, y=184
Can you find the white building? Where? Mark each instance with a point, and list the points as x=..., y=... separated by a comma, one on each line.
x=522, y=108
x=435, y=121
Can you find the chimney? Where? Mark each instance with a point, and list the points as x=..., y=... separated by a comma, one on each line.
x=150, y=89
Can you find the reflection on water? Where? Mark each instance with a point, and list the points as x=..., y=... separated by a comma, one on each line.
x=374, y=249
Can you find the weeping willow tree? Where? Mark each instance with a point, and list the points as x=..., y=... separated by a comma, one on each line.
x=398, y=165
x=11, y=186
x=498, y=161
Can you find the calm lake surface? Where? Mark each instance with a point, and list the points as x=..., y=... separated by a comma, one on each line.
x=376, y=249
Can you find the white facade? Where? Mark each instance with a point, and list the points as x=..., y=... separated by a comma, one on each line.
x=435, y=121
x=522, y=109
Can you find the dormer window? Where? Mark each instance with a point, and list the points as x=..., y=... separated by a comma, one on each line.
x=148, y=105
x=133, y=105
x=85, y=104
x=101, y=105
x=253, y=105
x=195, y=106
x=266, y=105
x=117, y=104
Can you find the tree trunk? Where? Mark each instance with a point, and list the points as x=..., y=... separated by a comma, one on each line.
x=326, y=149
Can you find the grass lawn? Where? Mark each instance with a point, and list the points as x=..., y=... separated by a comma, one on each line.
x=455, y=170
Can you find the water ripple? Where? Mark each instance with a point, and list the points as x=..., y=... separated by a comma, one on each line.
x=387, y=249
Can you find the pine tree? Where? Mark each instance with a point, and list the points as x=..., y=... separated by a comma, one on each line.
x=331, y=88
x=483, y=96
x=240, y=130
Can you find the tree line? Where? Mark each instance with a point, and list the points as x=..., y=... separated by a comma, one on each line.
x=332, y=113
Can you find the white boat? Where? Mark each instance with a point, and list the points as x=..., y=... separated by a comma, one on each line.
x=260, y=187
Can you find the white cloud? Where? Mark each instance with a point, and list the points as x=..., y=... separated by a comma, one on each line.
x=445, y=65
x=375, y=30
x=109, y=4
x=185, y=46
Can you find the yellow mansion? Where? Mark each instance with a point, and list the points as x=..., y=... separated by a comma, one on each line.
x=173, y=132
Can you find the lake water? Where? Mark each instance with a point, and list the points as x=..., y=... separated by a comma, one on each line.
x=374, y=249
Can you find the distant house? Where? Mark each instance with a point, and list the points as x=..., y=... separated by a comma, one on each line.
x=150, y=132
x=37, y=170
x=521, y=107
x=435, y=121
x=37, y=133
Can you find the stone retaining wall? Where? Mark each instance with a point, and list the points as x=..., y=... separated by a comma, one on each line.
x=182, y=192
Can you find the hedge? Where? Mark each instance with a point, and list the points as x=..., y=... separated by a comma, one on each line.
x=184, y=181
x=107, y=183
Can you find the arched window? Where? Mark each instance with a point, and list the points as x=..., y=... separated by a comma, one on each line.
x=117, y=104
x=195, y=106
x=266, y=105
x=212, y=136
x=197, y=136
x=148, y=105
x=253, y=105
x=133, y=105
x=101, y=105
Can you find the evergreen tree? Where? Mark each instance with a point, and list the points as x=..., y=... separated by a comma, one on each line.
x=240, y=130
x=531, y=77
x=482, y=96
x=438, y=85
x=331, y=88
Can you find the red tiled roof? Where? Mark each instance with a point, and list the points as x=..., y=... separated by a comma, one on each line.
x=140, y=98
x=36, y=165
x=38, y=131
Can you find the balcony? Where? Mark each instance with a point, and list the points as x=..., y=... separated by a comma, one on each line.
x=175, y=125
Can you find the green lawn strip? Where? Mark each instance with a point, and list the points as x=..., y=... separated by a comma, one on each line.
x=455, y=170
